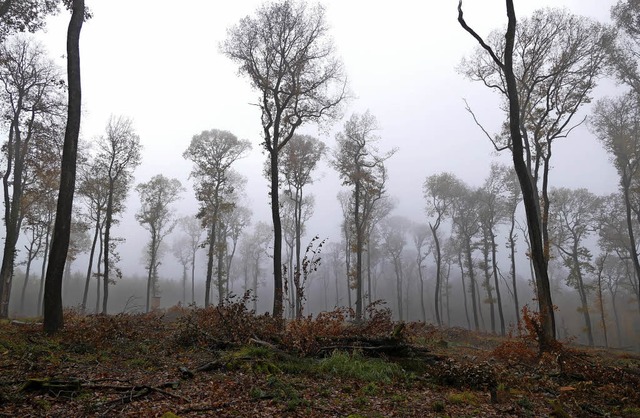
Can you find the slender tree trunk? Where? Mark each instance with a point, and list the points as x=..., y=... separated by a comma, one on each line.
x=359, y=244
x=99, y=272
x=447, y=295
x=616, y=317
x=398, y=271
x=494, y=265
x=583, y=297
x=24, y=284
x=337, y=284
x=512, y=257
x=151, y=267
x=464, y=289
x=438, y=255
x=369, y=289
x=31, y=254
x=212, y=240
x=43, y=269
x=633, y=251
x=193, y=277
x=422, y=308
x=487, y=285
x=298, y=270
x=256, y=271
x=472, y=281
x=105, y=251
x=348, y=267
x=221, y=244
x=603, y=320
x=90, y=266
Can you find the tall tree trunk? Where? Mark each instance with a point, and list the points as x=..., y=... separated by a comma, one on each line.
x=90, y=266
x=438, y=255
x=99, y=272
x=369, y=288
x=487, y=285
x=422, y=308
x=494, y=264
x=547, y=335
x=31, y=254
x=278, y=309
x=12, y=214
x=53, y=320
x=359, y=244
x=298, y=244
x=105, y=250
x=603, y=320
x=43, y=269
x=464, y=289
x=512, y=258
x=472, y=281
x=193, y=278
x=212, y=240
x=535, y=223
x=398, y=271
x=152, y=264
x=583, y=297
x=221, y=244
x=633, y=251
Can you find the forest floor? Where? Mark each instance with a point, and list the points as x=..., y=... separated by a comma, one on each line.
x=226, y=362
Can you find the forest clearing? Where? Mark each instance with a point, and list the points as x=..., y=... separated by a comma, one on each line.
x=227, y=362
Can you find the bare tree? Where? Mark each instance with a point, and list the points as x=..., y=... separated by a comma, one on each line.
x=157, y=217
x=298, y=161
x=361, y=168
x=253, y=249
x=286, y=53
x=32, y=103
x=573, y=218
x=235, y=221
x=466, y=227
x=545, y=69
x=420, y=234
x=440, y=191
x=213, y=152
x=394, y=238
x=192, y=228
x=616, y=122
x=492, y=212
x=118, y=155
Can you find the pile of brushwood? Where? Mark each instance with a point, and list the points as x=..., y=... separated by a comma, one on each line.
x=226, y=361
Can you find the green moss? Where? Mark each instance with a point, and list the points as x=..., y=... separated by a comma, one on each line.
x=358, y=367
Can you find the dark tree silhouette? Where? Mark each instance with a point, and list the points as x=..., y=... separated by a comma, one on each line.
x=53, y=319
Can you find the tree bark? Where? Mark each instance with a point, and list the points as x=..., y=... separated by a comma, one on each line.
x=278, y=308
x=438, y=254
x=90, y=266
x=53, y=319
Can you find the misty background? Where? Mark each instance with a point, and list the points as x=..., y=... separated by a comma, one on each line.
x=160, y=65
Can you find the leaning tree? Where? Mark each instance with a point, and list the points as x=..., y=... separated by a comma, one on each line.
x=545, y=68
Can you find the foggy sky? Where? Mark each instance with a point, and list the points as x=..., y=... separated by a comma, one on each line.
x=159, y=64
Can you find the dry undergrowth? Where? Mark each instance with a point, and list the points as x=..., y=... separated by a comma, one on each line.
x=226, y=361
